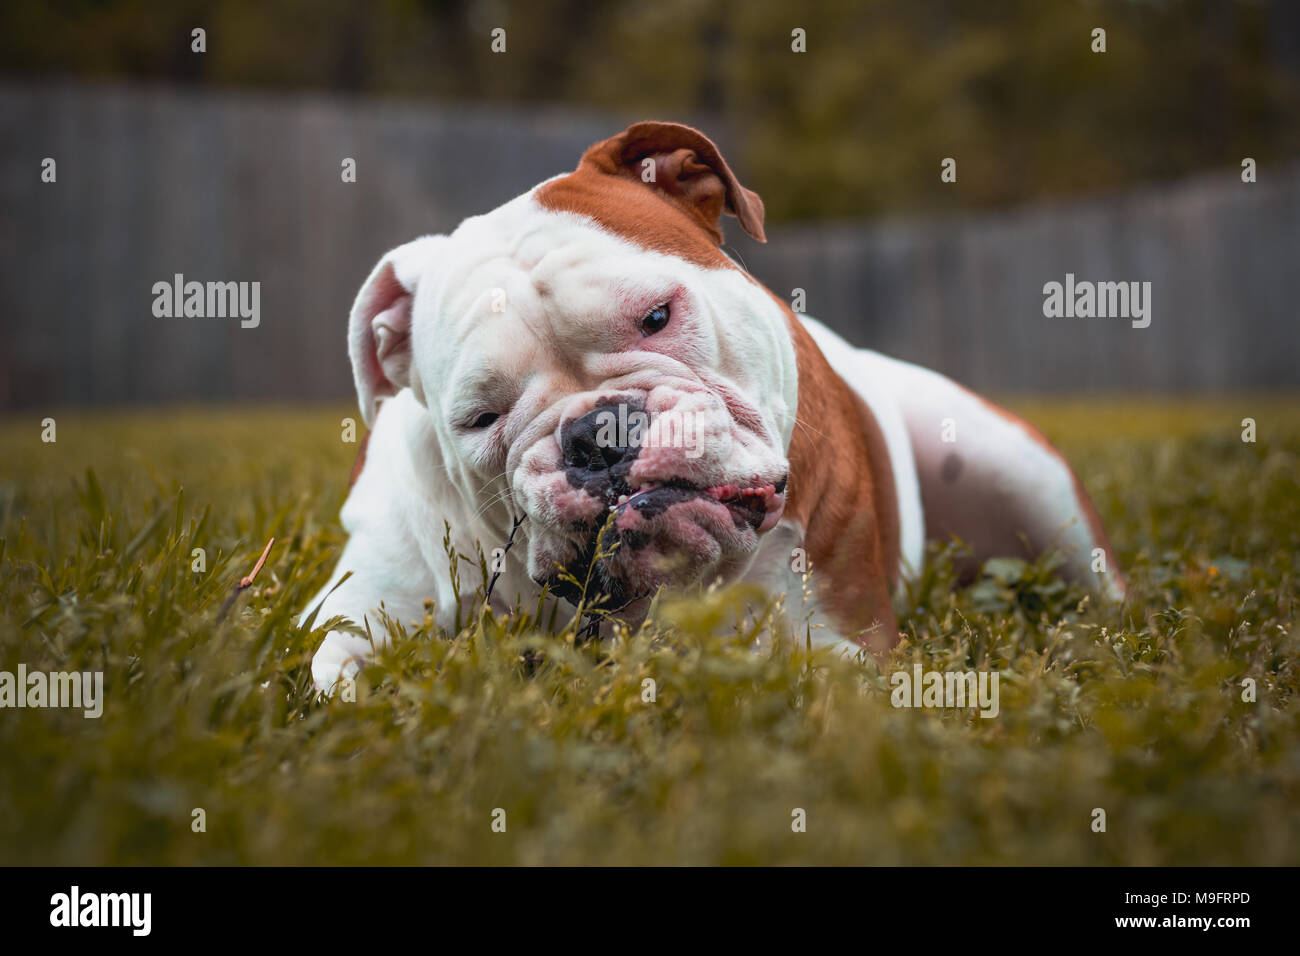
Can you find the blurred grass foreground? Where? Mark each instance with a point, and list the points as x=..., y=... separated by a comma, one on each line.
x=1175, y=714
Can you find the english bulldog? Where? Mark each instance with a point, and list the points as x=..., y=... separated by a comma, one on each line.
x=587, y=356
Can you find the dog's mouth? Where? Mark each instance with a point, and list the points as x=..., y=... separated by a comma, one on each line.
x=758, y=505
x=657, y=525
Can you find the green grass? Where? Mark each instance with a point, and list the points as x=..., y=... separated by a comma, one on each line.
x=1137, y=710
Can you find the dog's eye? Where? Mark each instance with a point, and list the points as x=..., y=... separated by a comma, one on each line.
x=484, y=420
x=655, y=319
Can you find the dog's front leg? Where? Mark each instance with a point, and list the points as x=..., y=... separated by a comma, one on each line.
x=387, y=579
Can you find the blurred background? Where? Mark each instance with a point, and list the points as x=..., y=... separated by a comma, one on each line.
x=225, y=165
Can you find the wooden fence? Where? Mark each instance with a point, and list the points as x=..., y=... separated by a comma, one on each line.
x=152, y=182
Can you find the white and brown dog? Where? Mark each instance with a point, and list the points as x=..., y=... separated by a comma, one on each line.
x=499, y=366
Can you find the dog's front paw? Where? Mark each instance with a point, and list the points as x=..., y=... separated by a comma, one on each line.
x=338, y=659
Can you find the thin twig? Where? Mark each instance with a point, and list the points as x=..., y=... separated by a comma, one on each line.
x=598, y=614
x=492, y=582
x=245, y=582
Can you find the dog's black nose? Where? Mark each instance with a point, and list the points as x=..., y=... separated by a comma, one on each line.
x=595, y=441
x=600, y=447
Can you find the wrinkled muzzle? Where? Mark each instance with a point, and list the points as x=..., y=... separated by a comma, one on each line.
x=635, y=492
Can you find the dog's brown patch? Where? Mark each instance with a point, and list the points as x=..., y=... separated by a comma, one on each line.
x=678, y=212
x=842, y=492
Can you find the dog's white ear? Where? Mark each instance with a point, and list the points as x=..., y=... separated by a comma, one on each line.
x=379, y=329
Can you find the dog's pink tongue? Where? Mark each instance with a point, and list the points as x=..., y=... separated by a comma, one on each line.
x=774, y=510
x=773, y=507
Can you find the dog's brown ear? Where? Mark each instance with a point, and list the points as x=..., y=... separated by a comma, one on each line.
x=684, y=165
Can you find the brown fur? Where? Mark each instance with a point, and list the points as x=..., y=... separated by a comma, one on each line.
x=678, y=213
x=842, y=492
